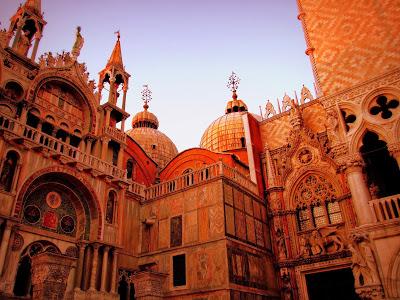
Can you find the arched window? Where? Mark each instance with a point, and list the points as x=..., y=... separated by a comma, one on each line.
x=8, y=170
x=188, y=177
x=111, y=205
x=316, y=206
x=130, y=166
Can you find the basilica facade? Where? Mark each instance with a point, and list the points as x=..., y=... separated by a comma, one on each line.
x=302, y=202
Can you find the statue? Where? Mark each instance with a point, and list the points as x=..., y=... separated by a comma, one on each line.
x=24, y=43
x=305, y=94
x=269, y=109
x=7, y=174
x=316, y=243
x=323, y=239
x=76, y=48
x=281, y=244
x=304, y=247
x=331, y=125
x=286, y=103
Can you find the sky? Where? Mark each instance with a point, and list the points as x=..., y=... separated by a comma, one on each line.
x=185, y=51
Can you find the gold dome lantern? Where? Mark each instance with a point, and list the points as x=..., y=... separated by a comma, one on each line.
x=145, y=132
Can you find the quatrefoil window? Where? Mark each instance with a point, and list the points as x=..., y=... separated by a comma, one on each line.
x=384, y=107
x=348, y=119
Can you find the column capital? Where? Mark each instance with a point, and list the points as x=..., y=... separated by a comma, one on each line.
x=106, y=248
x=352, y=162
x=394, y=148
x=96, y=245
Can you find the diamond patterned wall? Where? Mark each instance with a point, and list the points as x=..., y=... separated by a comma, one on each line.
x=353, y=40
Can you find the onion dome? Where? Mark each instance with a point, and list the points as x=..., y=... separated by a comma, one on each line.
x=145, y=132
x=227, y=132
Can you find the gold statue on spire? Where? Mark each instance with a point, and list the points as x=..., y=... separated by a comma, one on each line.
x=79, y=40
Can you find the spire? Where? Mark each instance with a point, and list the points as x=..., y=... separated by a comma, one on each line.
x=116, y=55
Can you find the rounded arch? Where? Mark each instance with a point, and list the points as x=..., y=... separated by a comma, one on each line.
x=82, y=90
x=77, y=183
x=293, y=188
x=7, y=109
x=14, y=89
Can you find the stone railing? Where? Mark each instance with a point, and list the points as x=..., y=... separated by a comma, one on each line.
x=115, y=133
x=192, y=178
x=58, y=147
x=387, y=208
x=136, y=188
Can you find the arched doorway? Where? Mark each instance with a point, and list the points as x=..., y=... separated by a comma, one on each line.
x=382, y=171
x=23, y=279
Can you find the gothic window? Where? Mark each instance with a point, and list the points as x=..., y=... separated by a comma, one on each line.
x=8, y=171
x=110, y=211
x=304, y=218
x=316, y=205
x=176, y=231
x=179, y=270
x=335, y=216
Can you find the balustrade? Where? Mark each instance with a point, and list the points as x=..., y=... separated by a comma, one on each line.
x=387, y=208
x=59, y=147
x=115, y=133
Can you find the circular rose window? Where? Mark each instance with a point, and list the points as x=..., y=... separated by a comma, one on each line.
x=32, y=214
x=53, y=199
x=67, y=224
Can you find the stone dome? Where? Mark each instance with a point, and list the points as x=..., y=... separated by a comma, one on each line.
x=155, y=143
x=227, y=132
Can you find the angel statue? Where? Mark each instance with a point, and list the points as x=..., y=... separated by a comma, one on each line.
x=76, y=48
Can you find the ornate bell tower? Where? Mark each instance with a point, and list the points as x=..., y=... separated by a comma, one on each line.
x=26, y=26
x=116, y=78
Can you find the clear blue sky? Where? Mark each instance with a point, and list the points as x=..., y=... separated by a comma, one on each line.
x=185, y=50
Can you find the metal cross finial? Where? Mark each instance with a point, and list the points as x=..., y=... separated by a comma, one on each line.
x=118, y=34
x=233, y=82
x=146, y=96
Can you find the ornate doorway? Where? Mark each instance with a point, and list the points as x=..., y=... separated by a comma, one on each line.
x=331, y=285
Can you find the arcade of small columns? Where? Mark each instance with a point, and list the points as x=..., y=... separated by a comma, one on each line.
x=84, y=143
x=89, y=258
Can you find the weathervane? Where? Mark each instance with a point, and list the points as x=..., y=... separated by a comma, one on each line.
x=146, y=96
x=233, y=82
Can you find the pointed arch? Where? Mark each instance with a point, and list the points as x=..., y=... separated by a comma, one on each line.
x=356, y=139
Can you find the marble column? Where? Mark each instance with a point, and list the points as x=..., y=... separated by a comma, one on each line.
x=89, y=142
x=38, y=36
x=359, y=191
x=4, y=245
x=104, y=148
x=114, y=271
x=94, y=267
x=104, y=269
x=128, y=291
x=107, y=120
x=79, y=267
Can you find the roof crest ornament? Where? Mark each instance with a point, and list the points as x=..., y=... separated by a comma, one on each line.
x=146, y=96
x=79, y=41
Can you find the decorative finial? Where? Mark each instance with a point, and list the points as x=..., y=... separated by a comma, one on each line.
x=118, y=34
x=146, y=96
x=233, y=82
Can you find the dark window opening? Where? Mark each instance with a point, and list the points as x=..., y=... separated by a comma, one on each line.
x=129, y=168
x=47, y=128
x=243, y=142
x=23, y=284
x=176, y=231
x=179, y=270
x=8, y=171
x=384, y=107
x=383, y=175
x=348, y=119
x=32, y=120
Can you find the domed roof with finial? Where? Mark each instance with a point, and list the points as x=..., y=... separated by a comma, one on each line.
x=145, y=132
x=227, y=132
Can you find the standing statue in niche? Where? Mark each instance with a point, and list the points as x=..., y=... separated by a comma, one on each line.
x=24, y=43
x=79, y=40
x=7, y=174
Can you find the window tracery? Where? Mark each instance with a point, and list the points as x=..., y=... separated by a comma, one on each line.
x=315, y=202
